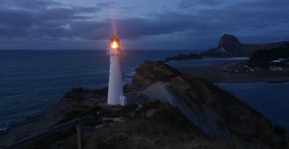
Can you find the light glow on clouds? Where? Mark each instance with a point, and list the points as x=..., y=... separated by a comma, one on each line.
x=171, y=24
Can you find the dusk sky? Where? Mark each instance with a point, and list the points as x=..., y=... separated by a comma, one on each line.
x=158, y=24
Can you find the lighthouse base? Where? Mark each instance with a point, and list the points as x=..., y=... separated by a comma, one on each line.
x=122, y=102
x=110, y=105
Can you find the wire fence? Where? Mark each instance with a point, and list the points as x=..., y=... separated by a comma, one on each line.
x=52, y=131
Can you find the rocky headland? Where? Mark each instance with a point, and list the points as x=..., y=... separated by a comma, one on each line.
x=229, y=45
x=167, y=109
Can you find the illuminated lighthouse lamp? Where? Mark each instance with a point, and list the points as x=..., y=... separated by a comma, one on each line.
x=115, y=95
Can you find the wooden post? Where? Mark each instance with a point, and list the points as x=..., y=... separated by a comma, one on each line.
x=79, y=138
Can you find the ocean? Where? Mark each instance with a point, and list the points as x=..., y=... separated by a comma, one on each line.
x=270, y=99
x=30, y=80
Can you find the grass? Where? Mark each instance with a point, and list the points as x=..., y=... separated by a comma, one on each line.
x=50, y=141
x=165, y=128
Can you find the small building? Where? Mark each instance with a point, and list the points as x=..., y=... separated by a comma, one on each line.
x=280, y=60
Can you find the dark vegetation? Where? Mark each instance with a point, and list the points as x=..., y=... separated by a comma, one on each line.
x=265, y=62
x=159, y=126
x=183, y=57
x=265, y=56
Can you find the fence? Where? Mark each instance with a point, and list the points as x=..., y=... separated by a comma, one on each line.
x=34, y=139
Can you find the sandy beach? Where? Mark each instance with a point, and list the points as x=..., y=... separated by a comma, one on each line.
x=215, y=73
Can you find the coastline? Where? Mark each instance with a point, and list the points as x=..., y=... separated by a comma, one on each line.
x=215, y=73
x=232, y=82
x=77, y=99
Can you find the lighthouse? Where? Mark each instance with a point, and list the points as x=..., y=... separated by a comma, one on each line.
x=115, y=95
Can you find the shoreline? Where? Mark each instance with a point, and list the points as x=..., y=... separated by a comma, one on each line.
x=72, y=99
x=215, y=74
x=212, y=72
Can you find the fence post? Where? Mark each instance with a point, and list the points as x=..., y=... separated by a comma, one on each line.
x=79, y=136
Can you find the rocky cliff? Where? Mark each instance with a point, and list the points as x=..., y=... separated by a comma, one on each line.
x=229, y=45
x=213, y=110
x=167, y=109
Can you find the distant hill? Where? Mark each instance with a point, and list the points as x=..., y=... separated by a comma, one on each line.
x=183, y=57
x=281, y=52
x=229, y=45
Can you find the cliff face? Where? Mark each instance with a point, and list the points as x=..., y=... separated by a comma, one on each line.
x=213, y=110
x=193, y=113
x=229, y=45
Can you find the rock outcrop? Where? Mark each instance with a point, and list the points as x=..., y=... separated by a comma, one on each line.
x=148, y=74
x=193, y=113
x=229, y=42
x=229, y=45
x=213, y=110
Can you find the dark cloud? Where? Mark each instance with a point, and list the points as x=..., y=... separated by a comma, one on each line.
x=29, y=4
x=264, y=4
x=108, y=4
x=62, y=14
x=93, y=30
x=200, y=21
x=165, y=23
x=248, y=14
x=15, y=17
x=185, y=4
x=48, y=19
x=133, y=28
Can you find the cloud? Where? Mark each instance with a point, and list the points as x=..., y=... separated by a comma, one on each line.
x=185, y=4
x=28, y=4
x=196, y=21
x=15, y=17
x=39, y=18
x=108, y=4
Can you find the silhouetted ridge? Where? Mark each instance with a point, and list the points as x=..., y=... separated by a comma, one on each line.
x=229, y=45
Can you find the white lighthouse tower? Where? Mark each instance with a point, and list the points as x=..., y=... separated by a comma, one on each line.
x=115, y=91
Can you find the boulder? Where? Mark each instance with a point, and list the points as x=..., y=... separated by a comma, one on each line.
x=152, y=71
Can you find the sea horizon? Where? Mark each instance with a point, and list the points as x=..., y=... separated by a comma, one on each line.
x=105, y=49
x=30, y=81
x=42, y=77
